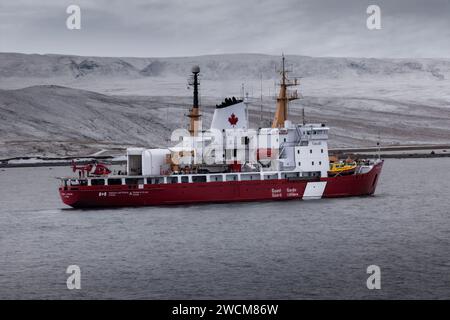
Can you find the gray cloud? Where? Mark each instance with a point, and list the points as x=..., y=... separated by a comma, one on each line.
x=411, y=28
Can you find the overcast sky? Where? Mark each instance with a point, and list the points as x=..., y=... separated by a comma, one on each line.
x=149, y=28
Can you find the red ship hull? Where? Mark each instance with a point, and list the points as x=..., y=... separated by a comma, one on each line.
x=230, y=191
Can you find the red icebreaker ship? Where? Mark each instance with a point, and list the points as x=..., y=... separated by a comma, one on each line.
x=229, y=162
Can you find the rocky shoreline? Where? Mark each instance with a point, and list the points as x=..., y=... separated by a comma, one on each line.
x=391, y=152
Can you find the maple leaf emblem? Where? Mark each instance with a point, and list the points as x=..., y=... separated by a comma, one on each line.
x=233, y=119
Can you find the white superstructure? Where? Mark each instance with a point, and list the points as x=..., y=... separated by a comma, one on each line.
x=231, y=146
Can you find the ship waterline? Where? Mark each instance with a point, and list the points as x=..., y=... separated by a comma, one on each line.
x=290, y=188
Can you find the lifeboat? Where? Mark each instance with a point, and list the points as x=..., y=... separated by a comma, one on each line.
x=342, y=168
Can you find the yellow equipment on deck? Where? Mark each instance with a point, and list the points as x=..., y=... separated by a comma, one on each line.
x=342, y=168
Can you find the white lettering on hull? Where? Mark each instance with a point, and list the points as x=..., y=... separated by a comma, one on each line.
x=122, y=193
x=276, y=193
x=291, y=192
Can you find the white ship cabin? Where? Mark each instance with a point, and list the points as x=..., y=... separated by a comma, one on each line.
x=303, y=148
x=303, y=155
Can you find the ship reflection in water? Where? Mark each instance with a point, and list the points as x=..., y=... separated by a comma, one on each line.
x=288, y=249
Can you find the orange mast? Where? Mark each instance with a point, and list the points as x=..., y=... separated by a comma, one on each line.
x=281, y=113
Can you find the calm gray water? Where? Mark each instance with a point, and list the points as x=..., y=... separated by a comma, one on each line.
x=273, y=250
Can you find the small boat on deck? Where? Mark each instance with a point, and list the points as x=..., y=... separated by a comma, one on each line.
x=342, y=168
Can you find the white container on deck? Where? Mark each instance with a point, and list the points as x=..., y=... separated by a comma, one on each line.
x=153, y=160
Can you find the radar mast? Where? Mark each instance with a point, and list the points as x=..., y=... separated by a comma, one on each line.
x=194, y=113
x=284, y=96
